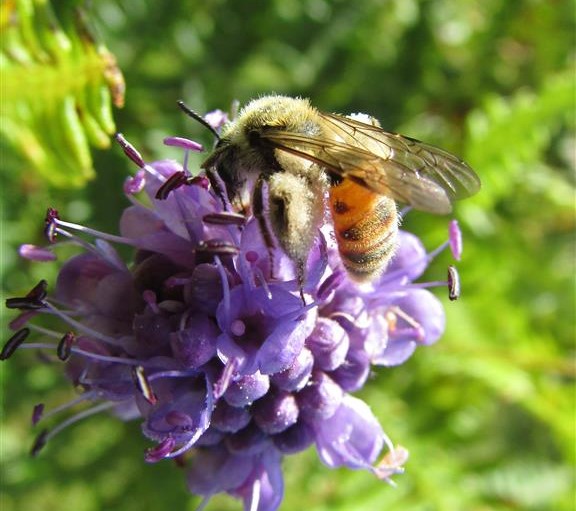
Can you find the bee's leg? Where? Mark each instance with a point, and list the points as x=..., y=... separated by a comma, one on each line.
x=219, y=188
x=258, y=210
x=301, y=273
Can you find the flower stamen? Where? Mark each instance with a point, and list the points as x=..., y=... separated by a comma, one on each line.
x=64, y=348
x=80, y=326
x=225, y=218
x=46, y=435
x=24, y=303
x=37, y=413
x=395, y=312
x=217, y=247
x=175, y=181
x=14, y=343
x=129, y=150
x=453, y=283
x=160, y=451
x=455, y=239
x=143, y=385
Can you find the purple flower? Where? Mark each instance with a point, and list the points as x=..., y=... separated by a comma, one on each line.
x=206, y=338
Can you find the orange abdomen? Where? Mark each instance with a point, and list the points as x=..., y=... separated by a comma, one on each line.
x=365, y=225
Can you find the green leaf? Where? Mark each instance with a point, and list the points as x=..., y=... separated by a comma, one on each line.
x=57, y=86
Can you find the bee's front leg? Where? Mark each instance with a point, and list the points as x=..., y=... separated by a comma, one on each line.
x=259, y=214
x=219, y=188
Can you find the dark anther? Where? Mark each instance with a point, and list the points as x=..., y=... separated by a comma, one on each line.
x=39, y=443
x=37, y=413
x=38, y=292
x=175, y=181
x=64, y=348
x=13, y=343
x=453, y=283
x=129, y=150
x=50, y=224
x=32, y=301
x=224, y=218
x=24, y=303
x=143, y=385
x=217, y=247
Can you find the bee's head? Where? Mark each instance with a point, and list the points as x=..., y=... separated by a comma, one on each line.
x=224, y=161
x=243, y=151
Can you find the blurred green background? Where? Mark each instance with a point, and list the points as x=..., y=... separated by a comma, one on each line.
x=488, y=413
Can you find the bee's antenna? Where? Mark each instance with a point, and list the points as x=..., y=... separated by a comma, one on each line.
x=197, y=117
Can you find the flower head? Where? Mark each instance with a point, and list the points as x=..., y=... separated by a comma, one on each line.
x=209, y=339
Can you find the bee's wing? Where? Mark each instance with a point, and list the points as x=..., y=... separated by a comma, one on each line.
x=405, y=169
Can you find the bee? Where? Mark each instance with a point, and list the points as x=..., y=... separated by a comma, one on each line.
x=297, y=158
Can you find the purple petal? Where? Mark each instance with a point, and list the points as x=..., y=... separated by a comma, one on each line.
x=297, y=375
x=230, y=419
x=410, y=260
x=295, y=439
x=282, y=347
x=264, y=490
x=216, y=118
x=247, y=389
x=135, y=184
x=354, y=372
x=275, y=412
x=329, y=343
x=321, y=398
x=248, y=441
x=215, y=470
x=427, y=311
x=196, y=344
x=351, y=437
